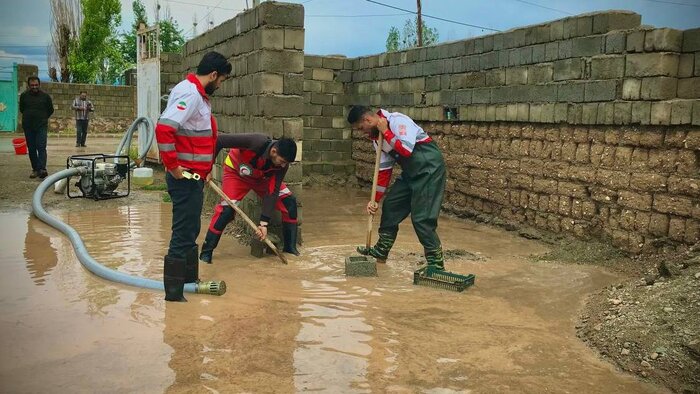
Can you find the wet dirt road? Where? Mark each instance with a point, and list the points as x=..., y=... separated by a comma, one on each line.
x=302, y=327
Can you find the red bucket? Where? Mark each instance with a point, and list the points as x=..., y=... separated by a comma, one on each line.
x=20, y=145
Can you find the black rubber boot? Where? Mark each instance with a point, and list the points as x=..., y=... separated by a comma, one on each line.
x=380, y=250
x=174, y=278
x=192, y=266
x=289, y=231
x=435, y=258
x=210, y=243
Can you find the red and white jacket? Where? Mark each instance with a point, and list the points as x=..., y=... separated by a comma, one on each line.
x=186, y=131
x=400, y=138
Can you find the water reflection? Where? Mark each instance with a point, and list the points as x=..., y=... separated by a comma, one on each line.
x=39, y=253
x=333, y=341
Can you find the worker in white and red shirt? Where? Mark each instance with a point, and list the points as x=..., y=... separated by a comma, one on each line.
x=418, y=191
x=186, y=133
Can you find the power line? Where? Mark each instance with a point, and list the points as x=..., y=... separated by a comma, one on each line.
x=356, y=16
x=433, y=17
x=675, y=3
x=205, y=16
x=545, y=7
x=203, y=5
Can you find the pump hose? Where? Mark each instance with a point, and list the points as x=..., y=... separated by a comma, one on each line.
x=204, y=287
x=125, y=142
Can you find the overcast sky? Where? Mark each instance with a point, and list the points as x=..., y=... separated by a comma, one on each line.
x=348, y=27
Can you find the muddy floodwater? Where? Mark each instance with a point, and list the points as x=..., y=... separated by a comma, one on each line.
x=296, y=328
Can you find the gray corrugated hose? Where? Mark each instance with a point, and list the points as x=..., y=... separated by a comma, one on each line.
x=204, y=287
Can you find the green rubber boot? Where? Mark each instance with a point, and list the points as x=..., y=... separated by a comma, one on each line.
x=435, y=258
x=380, y=250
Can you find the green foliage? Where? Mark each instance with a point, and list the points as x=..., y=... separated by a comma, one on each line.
x=114, y=63
x=155, y=186
x=392, y=40
x=90, y=53
x=133, y=153
x=408, y=38
x=166, y=197
x=101, y=54
x=171, y=37
x=128, y=41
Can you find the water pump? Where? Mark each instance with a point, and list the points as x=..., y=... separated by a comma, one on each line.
x=104, y=175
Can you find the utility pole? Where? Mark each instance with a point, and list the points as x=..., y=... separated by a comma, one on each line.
x=420, y=26
x=157, y=30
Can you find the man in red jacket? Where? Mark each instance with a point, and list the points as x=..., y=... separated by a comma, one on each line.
x=186, y=135
x=256, y=163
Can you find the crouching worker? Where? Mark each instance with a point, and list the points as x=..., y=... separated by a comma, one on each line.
x=256, y=163
x=186, y=135
x=418, y=191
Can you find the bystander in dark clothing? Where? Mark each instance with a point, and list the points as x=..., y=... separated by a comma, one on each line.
x=36, y=108
x=82, y=107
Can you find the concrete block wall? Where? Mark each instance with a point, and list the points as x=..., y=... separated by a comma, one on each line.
x=327, y=142
x=587, y=125
x=590, y=69
x=115, y=106
x=264, y=94
x=171, y=73
x=265, y=91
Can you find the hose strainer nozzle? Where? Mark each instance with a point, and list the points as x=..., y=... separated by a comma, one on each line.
x=212, y=287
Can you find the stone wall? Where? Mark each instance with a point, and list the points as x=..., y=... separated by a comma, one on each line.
x=115, y=106
x=327, y=142
x=587, y=125
x=265, y=93
x=633, y=185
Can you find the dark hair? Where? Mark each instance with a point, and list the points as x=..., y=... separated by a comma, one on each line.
x=356, y=112
x=287, y=148
x=33, y=78
x=214, y=61
x=83, y=91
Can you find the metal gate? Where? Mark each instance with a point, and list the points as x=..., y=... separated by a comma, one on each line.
x=148, y=80
x=8, y=98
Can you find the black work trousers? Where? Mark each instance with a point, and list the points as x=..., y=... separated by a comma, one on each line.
x=81, y=128
x=187, y=196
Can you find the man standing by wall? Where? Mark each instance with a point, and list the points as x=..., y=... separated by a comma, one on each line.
x=82, y=107
x=186, y=135
x=36, y=108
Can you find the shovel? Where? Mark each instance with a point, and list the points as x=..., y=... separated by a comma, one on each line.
x=380, y=140
x=247, y=219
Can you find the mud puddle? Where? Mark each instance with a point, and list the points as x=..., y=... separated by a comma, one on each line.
x=296, y=328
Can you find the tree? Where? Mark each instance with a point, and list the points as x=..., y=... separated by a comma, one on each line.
x=392, y=40
x=113, y=63
x=65, y=27
x=171, y=37
x=88, y=54
x=128, y=41
x=397, y=41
